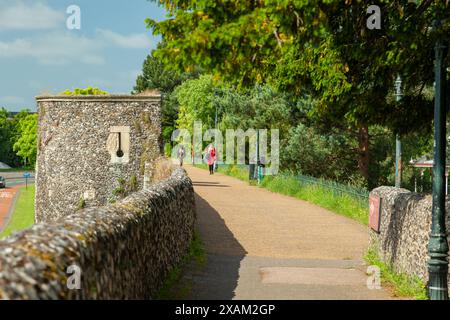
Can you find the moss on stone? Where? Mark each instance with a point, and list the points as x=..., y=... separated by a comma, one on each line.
x=81, y=204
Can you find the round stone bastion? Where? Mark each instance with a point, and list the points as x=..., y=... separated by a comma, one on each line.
x=93, y=150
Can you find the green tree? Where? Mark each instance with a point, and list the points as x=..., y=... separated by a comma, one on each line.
x=323, y=48
x=9, y=134
x=6, y=130
x=157, y=77
x=26, y=145
x=196, y=100
x=320, y=155
x=260, y=107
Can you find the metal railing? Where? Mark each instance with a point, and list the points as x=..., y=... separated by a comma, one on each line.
x=337, y=189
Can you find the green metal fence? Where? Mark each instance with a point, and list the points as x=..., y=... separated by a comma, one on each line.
x=337, y=189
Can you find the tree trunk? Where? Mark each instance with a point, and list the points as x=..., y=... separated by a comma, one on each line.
x=363, y=161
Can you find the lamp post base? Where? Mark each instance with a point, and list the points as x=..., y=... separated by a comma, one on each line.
x=438, y=267
x=437, y=287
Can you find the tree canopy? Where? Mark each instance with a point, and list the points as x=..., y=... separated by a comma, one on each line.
x=6, y=137
x=26, y=145
x=156, y=76
x=323, y=47
x=17, y=137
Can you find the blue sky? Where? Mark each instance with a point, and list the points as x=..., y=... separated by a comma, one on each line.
x=39, y=55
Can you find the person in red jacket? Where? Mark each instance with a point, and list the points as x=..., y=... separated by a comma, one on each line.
x=211, y=156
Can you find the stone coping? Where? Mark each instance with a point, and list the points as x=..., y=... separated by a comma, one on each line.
x=105, y=98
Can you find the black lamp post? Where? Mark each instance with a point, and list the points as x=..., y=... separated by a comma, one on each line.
x=438, y=245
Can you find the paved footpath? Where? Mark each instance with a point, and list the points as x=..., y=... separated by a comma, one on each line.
x=263, y=245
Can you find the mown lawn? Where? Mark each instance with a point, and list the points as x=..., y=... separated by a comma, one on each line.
x=23, y=215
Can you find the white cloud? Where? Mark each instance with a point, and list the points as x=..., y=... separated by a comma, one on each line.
x=132, y=41
x=55, y=45
x=56, y=48
x=59, y=46
x=29, y=16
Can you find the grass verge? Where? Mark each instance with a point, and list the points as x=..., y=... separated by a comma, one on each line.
x=175, y=289
x=401, y=284
x=345, y=205
x=23, y=214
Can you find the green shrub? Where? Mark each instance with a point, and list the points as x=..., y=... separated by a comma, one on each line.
x=81, y=204
x=168, y=149
x=133, y=183
x=88, y=91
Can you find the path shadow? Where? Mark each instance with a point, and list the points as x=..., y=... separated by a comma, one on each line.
x=205, y=182
x=209, y=184
x=217, y=279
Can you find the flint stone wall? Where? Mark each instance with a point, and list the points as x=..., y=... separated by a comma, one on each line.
x=77, y=142
x=405, y=230
x=125, y=250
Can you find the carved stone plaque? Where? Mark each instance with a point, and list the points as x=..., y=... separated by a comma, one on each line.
x=118, y=144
